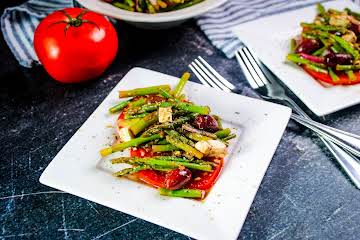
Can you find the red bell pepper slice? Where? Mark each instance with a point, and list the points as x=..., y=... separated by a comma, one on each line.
x=343, y=78
x=205, y=180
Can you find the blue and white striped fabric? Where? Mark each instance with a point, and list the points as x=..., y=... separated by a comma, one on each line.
x=217, y=24
x=18, y=25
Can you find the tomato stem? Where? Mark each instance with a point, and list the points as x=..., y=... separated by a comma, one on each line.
x=74, y=22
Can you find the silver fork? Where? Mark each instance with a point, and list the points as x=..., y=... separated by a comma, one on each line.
x=256, y=78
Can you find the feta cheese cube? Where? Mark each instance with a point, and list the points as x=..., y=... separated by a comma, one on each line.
x=125, y=134
x=212, y=148
x=165, y=114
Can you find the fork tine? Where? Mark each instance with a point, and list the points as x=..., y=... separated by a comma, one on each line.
x=254, y=62
x=245, y=70
x=255, y=72
x=204, y=76
x=198, y=75
x=217, y=75
x=211, y=77
x=249, y=68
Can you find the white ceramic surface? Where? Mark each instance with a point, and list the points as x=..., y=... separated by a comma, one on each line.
x=270, y=38
x=79, y=169
x=151, y=21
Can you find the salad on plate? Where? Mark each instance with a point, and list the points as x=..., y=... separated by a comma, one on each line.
x=328, y=48
x=152, y=6
x=175, y=145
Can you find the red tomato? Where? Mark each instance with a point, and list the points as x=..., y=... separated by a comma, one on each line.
x=141, y=152
x=75, y=45
x=343, y=78
x=205, y=180
x=152, y=177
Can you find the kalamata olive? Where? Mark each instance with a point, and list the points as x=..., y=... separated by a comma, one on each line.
x=177, y=178
x=206, y=122
x=355, y=28
x=308, y=46
x=332, y=59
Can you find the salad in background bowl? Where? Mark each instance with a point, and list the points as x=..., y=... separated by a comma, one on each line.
x=158, y=19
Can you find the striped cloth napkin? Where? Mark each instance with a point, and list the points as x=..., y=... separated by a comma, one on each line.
x=18, y=23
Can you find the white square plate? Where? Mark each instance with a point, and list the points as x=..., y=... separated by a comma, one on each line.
x=79, y=170
x=269, y=37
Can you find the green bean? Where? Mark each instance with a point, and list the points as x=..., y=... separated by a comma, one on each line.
x=185, y=193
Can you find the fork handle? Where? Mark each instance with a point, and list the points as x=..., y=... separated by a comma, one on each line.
x=348, y=162
x=348, y=141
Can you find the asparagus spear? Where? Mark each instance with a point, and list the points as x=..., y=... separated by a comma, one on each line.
x=138, y=103
x=141, y=115
x=187, y=148
x=118, y=107
x=314, y=66
x=325, y=28
x=186, y=193
x=164, y=148
x=342, y=42
x=132, y=143
x=178, y=89
x=168, y=125
x=129, y=171
x=197, y=137
x=231, y=136
x=350, y=75
x=143, y=91
x=143, y=123
x=298, y=59
x=347, y=67
x=188, y=127
x=183, y=139
x=333, y=75
x=165, y=162
x=122, y=6
x=354, y=14
x=193, y=108
x=223, y=133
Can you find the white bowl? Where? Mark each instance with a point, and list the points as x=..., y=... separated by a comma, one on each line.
x=151, y=21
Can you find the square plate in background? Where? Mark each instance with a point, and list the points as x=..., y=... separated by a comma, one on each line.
x=78, y=168
x=269, y=37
